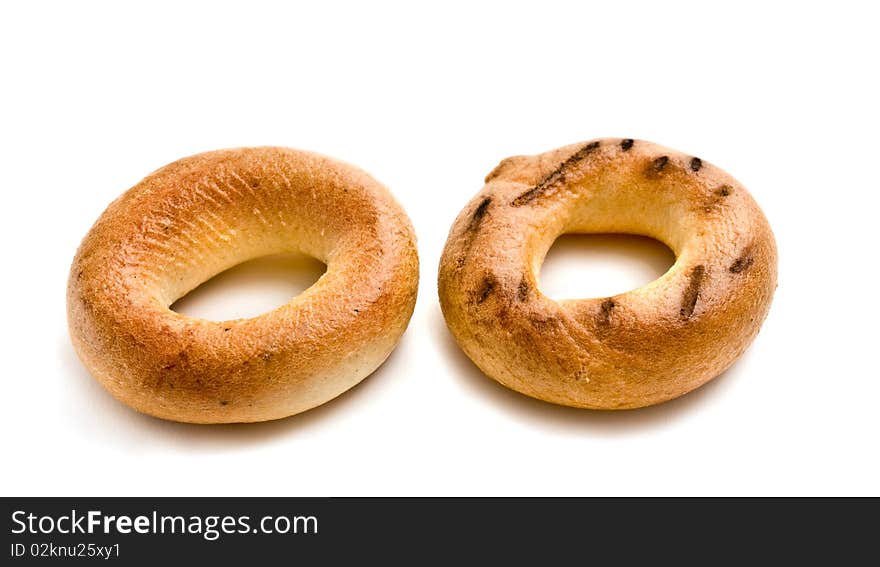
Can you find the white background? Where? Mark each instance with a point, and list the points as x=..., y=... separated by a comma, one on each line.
x=428, y=100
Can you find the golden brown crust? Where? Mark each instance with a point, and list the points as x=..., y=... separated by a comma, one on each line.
x=203, y=214
x=634, y=349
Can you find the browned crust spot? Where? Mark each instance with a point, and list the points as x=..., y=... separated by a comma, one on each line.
x=626, y=144
x=556, y=177
x=696, y=164
x=716, y=197
x=605, y=311
x=657, y=166
x=742, y=263
x=485, y=290
x=479, y=213
x=471, y=229
x=522, y=291
x=692, y=292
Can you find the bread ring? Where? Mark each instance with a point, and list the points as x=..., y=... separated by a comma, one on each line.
x=634, y=349
x=203, y=214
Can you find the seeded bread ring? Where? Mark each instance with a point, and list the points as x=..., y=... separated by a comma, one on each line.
x=630, y=350
x=203, y=214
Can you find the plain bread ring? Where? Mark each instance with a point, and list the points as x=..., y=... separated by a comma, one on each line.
x=634, y=349
x=203, y=214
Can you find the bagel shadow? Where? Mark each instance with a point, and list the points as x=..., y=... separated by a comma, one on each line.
x=103, y=415
x=569, y=419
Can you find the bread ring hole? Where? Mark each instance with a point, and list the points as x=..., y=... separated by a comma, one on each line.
x=581, y=266
x=251, y=288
